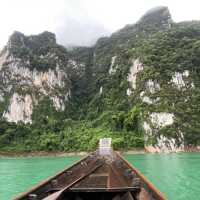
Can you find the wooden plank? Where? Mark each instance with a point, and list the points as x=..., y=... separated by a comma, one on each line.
x=56, y=195
x=116, y=189
x=115, y=180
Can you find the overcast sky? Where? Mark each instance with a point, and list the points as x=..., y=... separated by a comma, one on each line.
x=80, y=22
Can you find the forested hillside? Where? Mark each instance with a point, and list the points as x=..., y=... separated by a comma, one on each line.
x=140, y=86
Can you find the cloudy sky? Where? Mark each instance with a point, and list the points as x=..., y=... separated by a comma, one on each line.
x=80, y=22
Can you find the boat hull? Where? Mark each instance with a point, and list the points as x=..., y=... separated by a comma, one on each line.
x=96, y=177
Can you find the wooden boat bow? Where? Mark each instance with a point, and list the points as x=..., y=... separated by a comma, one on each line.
x=102, y=175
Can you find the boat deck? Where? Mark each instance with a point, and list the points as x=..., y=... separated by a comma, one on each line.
x=96, y=177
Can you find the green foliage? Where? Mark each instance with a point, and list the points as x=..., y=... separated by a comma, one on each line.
x=133, y=120
x=53, y=133
x=163, y=48
x=38, y=51
x=49, y=141
x=163, y=54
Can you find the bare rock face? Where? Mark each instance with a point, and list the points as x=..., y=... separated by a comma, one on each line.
x=28, y=74
x=160, y=120
x=134, y=70
x=33, y=68
x=20, y=108
x=156, y=122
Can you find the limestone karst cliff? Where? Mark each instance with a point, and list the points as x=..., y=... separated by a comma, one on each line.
x=32, y=68
x=139, y=86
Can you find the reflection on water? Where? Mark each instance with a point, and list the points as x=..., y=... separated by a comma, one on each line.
x=177, y=175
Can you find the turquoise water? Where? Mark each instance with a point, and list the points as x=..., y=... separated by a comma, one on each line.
x=176, y=175
x=19, y=174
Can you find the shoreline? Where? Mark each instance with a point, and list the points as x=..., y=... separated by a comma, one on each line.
x=83, y=153
x=42, y=154
x=61, y=154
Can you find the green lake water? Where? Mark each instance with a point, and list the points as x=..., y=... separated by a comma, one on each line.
x=19, y=174
x=176, y=175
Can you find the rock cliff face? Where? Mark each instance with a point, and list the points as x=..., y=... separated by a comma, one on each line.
x=147, y=74
x=28, y=74
x=161, y=74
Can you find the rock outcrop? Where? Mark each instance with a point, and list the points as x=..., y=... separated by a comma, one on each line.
x=24, y=84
